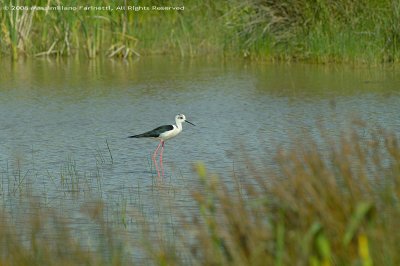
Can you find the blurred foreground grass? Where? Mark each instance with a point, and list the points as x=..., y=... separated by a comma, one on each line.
x=329, y=203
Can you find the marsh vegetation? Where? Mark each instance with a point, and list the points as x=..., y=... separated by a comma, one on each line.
x=73, y=191
x=329, y=203
x=314, y=31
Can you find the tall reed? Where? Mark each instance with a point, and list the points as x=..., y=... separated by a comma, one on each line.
x=318, y=31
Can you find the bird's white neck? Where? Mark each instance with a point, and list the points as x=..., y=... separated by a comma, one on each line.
x=178, y=124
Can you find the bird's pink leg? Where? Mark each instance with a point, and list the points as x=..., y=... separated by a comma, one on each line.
x=161, y=153
x=154, y=158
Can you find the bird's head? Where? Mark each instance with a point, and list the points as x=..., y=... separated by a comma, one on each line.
x=182, y=118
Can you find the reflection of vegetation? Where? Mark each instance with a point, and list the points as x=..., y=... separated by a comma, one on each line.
x=333, y=207
x=320, y=31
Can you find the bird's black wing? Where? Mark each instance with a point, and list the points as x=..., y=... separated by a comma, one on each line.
x=154, y=133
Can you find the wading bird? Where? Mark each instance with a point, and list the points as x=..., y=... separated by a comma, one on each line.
x=163, y=133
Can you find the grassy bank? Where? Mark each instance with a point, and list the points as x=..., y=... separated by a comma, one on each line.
x=315, y=31
x=337, y=207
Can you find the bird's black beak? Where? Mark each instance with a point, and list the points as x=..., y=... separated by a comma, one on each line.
x=190, y=123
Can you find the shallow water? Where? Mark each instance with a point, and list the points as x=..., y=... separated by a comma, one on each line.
x=58, y=115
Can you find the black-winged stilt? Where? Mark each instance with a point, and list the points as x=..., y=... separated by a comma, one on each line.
x=164, y=133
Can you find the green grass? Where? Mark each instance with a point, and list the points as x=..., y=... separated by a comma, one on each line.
x=334, y=202
x=317, y=31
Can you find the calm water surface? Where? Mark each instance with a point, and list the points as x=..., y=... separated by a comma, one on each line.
x=56, y=117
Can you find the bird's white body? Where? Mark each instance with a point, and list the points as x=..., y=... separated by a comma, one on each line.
x=171, y=133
